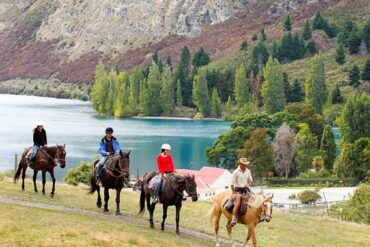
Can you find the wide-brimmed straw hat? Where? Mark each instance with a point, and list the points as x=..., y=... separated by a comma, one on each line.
x=244, y=161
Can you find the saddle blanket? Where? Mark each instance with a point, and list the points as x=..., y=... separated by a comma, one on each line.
x=153, y=182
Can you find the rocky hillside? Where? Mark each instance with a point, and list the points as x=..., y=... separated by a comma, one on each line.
x=64, y=40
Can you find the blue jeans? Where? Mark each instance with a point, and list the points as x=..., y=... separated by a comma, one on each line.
x=35, y=150
x=101, y=163
x=158, y=185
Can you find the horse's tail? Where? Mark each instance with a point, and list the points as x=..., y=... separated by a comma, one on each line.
x=19, y=170
x=93, y=186
x=142, y=199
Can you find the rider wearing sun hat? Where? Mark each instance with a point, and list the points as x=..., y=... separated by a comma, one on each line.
x=39, y=140
x=240, y=184
x=165, y=166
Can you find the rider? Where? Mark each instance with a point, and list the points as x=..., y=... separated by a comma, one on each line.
x=240, y=184
x=39, y=140
x=165, y=167
x=109, y=145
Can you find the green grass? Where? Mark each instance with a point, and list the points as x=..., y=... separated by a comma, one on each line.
x=285, y=229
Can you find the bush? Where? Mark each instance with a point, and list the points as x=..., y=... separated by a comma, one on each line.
x=309, y=196
x=327, y=182
x=322, y=173
x=80, y=174
x=357, y=209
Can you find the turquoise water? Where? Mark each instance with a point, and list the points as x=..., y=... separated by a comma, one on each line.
x=75, y=124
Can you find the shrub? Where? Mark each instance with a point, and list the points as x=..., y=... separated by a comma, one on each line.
x=309, y=196
x=328, y=182
x=79, y=174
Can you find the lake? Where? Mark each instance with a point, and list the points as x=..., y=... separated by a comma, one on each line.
x=77, y=125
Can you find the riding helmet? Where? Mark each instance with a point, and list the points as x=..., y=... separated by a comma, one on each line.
x=109, y=130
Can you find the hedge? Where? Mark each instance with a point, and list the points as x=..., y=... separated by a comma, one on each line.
x=329, y=182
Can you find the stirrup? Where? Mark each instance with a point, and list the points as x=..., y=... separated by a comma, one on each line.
x=155, y=200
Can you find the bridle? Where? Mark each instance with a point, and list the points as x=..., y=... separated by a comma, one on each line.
x=266, y=216
x=113, y=170
x=180, y=193
x=56, y=158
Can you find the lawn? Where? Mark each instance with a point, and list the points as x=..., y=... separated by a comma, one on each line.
x=285, y=229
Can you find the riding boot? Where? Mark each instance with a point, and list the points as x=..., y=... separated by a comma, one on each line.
x=234, y=220
x=30, y=164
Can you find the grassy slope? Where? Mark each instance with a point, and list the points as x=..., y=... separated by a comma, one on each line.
x=284, y=230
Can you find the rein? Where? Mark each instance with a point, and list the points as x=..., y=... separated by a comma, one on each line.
x=56, y=158
x=111, y=170
x=178, y=192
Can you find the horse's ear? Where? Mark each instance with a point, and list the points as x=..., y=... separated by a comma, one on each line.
x=193, y=176
x=128, y=154
x=64, y=146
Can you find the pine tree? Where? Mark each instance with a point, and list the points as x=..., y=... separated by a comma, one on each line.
x=328, y=147
x=183, y=75
x=365, y=76
x=242, y=95
x=311, y=48
x=366, y=34
x=200, y=58
x=318, y=22
x=287, y=90
x=316, y=92
x=336, y=96
x=262, y=34
x=354, y=41
x=340, y=57
x=135, y=79
x=178, y=94
x=200, y=93
x=307, y=32
x=154, y=86
x=274, y=99
x=254, y=37
x=157, y=60
x=167, y=97
x=275, y=50
x=299, y=48
x=244, y=46
x=216, y=104
x=169, y=63
x=296, y=92
x=260, y=56
x=354, y=76
x=287, y=24
x=287, y=47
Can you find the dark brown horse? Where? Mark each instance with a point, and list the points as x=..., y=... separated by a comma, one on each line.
x=44, y=162
x=171, y=195
x=115, y=171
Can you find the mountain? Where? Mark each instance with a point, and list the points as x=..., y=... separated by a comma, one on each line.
x=63, y=41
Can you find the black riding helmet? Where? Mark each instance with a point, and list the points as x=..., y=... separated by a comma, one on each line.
x=109, y=130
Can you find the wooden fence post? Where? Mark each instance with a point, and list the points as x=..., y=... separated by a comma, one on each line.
x=15, y=162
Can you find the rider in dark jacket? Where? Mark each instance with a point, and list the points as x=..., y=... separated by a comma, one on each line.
x=39, y=140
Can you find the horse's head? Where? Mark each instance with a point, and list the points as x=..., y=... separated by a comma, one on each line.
x=191, y=187
x=124, y=163
x=267, y=207
x=61, y=155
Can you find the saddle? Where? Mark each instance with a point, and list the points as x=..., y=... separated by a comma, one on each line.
x=229, y=205
x=28, y=152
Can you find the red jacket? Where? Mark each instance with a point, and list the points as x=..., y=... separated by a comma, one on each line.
x=165, y=164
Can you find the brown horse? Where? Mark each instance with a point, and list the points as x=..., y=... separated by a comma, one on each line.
x=115, y=171
x=44, y=162
x=171, y=195
x=258, y=205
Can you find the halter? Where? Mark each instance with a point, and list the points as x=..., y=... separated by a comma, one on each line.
x=56, y=158
x=181, y=193
x=112, y=170
x=264, y=213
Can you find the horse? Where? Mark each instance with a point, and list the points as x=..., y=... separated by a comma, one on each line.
x=44, y=162
x=258, y=205
x=116, y=170
x=171, y=195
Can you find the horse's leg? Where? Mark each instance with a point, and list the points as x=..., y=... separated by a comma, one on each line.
x=53, y=180
x=106, y=199
x=43, y=181
x=165, y=207
x=229, y=230
x=34, y=180
x=217, y=216
x=98, y=202
x=23, y=175
x=251, y=229
x=178, y=208
x=151, y=211
x=248, y=236
x=118, y=195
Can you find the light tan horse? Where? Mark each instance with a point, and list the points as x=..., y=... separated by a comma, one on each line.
x=259, y=209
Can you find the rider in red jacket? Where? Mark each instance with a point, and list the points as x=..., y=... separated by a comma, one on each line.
x=165, y=167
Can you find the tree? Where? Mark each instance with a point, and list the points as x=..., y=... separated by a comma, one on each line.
x=262, y=34
x=144, y=98
x=299, y=48
x=259, y=56
x=365, y=76
x=354, y=76
x=273, y=87
x=307, y=148
x=336, y=96
x=169, y=63
x=284, y=149
x=275, y=49
x=258, y=150
x=340, y=57
x=296, y=94
x=122, y=96
x=287, y=24
x=307, y=32
x=182, y=74
x=154, y=87
x=316, y=93
x=354, y=120
x=254, y=37
x=216, y=104
x=244, y=46
x=354, y=41
x=99, y=92
x=242, y=94
x=178, y=94
x=286, y=48
x=200, y=58
x=287, y=89
x=328, y=147
x=200, y=93
x=311, y=48
x=135, y=79
x=320, y=23
x=167, y=97
x=366, y=34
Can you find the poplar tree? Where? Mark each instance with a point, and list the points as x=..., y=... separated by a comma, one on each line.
x=154, y=86
x=99, y=91
x=178, y=94
x=316, y=92
x=307, y=144
x=121, y=106
x=241, y=90
x=135, y=79
x=200, y=93
x=216, y=104
x=167, y=97
x=274, y=99
x=328, y=147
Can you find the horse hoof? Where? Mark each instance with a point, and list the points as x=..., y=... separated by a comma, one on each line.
x=43, y=192
x=118, y=213
x=178, y=232
x=106, y=211
x=151, y=225
x=36, y=191
x=98, y=205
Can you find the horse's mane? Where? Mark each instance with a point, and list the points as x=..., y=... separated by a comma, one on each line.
x=256, y=200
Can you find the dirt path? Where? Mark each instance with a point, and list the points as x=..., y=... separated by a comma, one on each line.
x=183, y=230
